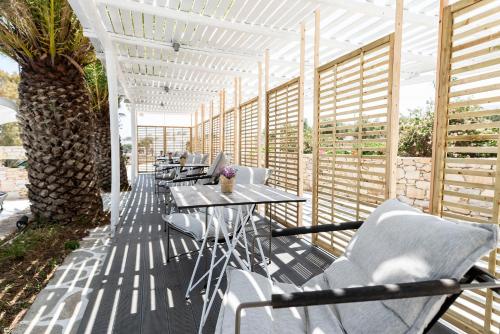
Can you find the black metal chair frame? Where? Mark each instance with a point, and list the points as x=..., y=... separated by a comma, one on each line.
x=450, y=287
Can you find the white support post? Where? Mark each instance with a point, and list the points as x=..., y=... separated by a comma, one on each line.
x=133, y=124
x=111, y=73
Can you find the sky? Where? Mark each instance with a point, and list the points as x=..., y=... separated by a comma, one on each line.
x=411, y=97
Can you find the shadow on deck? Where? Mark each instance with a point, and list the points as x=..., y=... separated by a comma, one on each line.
x=137, y=291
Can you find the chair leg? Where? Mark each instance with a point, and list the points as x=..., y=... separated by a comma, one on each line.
x=167, y=228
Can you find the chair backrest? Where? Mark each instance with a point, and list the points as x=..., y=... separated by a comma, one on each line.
x=190, y=158
x=396, y=244
x=251, y=175
x=217, y=164
x=204, y=158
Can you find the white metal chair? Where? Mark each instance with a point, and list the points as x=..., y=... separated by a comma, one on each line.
x=397, y=255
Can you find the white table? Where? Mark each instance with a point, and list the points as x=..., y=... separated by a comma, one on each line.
x=245, y=197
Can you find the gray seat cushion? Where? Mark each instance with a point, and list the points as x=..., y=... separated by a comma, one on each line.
x=246, y=286
x=194, y=225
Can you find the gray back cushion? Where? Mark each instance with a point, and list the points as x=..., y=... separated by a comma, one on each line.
x=217, y=164
x=251, y=175
x=396, y=244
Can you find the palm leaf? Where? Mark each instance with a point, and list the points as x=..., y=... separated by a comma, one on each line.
x=32, y=30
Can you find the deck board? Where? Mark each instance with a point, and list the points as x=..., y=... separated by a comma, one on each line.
x=151, y=291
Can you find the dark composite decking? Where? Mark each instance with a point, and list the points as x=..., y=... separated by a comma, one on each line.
x=137, y=291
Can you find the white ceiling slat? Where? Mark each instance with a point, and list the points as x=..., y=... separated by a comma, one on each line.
x=148, y=26
x=138, y=23
x=222, y=9
x=104, y=14
x=186, y=5
x=126, y=18
x=221, y=39
x=210, y=7
x=114, y=16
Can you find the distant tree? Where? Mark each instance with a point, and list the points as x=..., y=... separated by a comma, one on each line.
x=10, y=135
x=308, y=149
x=415, y=132
x=8, y=85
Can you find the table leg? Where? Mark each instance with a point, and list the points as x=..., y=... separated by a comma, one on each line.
x=238, y=228
x=200, y=254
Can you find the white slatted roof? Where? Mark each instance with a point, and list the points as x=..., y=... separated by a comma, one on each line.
x=223, y=39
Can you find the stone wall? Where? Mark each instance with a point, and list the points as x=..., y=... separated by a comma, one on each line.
x=413, y=184
x=12, y=152
x=13, y=181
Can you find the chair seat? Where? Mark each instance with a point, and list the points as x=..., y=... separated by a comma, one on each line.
x=244, y=286
x=193, y=224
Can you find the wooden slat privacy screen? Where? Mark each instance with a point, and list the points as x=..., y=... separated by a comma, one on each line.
x=466, y=184
x=151, y=140
x=229, y=135
x=215, y=137
x=284, y=154
x=177, y=139
x=352, y=130
x=249, y=133
x=206, y=137
x=199, y=138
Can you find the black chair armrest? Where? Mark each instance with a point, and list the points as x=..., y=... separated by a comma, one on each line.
x=367, y=293
x=479, y=275
x=192, y=178
x=283, y=232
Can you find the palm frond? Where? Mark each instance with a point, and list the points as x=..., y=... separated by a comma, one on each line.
x=31, y=30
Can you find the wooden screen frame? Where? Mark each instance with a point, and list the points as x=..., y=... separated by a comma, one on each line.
x=229, y=135
x=249, y=140
x=284, y=112
x=163, y=143
x=387, y=178
x=207, y=129
x=215, y=137
x=450, y=197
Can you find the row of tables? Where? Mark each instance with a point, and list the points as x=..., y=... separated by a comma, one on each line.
x=244, y=200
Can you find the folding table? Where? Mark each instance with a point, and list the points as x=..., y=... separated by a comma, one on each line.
x=245, y=197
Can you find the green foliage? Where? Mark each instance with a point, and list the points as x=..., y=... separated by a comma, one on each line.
x=97, y=84
x=415, y=132
x=127, y=148
x=308, y=149
x=26, y=242
x=10, y=135
x=34, y=30
x=8, y=85
x=72, y=244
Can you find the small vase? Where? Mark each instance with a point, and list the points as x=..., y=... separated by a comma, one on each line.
x=227, y=185
x=182, y=162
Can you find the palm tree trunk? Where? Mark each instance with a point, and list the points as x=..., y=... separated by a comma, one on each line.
x=103, y=152
x=57, y=128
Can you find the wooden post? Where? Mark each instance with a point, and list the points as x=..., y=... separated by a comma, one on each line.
x=259, y=116
x=195, y=142
x=441, y=113
x=237, y=121
x=222, y=118
x=203, y=129
x=393, y=121
x=211, y=125
x=315, y=130
x=301, y=170
x=432, y=206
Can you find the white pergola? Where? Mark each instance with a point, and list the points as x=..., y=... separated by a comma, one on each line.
x=197, y=48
